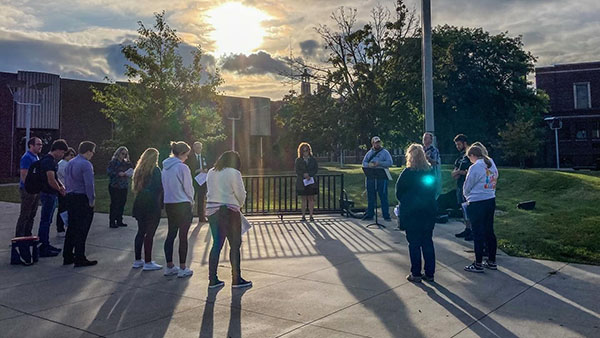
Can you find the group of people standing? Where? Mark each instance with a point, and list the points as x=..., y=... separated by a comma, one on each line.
x=65, y=179
x=417, y=190
x=69, y=179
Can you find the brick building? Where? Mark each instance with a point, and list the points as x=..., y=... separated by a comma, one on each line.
x=574, y=91
x=68, y=111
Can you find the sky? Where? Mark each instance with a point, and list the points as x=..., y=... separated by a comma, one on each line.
x=246, y=40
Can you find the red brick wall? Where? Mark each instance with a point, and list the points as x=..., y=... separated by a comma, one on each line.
x=7, y=170
x=558, y=82
x=81, y=119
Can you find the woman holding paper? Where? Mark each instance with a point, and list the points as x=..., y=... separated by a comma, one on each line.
x=119, y=171
x=147, y=186
x=306, y=186
x=225, y=197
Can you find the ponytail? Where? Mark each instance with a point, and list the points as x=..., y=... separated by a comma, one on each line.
x=479, y=153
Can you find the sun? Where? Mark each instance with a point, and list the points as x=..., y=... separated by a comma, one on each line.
x=237, y=28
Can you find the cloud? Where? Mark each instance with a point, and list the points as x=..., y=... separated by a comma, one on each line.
x=55, y=55
x=257, y=63
x=309, y=47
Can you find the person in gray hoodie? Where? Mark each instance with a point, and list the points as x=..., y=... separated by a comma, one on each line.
x=178, y=200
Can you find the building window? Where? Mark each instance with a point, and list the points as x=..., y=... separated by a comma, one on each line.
x=581, y=134
x=596, y=130
x=581, y=92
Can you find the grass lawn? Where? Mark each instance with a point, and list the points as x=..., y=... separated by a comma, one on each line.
x=564, y=226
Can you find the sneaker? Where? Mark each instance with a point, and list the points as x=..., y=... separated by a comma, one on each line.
x=428, y=278
x=241, y=283
x=414, y=279
x=464, y=233
x=138, y=263
x=152, y=266
x=61, y=234
x=303, y=219
x=171, y=271
x=490, y=265
x=185, y=273
x=215, y=284
x=312, y=219
x=475, y=267
x=85, y=262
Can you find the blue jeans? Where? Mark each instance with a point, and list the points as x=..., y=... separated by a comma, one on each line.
x=421, y=241
x=372, y=197
x=48, y=206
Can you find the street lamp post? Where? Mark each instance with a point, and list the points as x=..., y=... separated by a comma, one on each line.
x=233, y=117
x=555, y=124
x=427, y=66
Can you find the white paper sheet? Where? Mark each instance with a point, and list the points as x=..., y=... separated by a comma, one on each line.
x=201, y=178
x=65, y=217
x=246, y=225
x=309, y=181
x=129, y=172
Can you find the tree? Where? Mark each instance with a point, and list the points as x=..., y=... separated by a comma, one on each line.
x=163, y=99
x=359, y=72
x=520, y=140
x=480, y=80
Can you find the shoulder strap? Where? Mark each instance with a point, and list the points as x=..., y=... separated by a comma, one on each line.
x=374, y=154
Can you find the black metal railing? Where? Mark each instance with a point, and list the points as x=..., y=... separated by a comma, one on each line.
x=276, y=194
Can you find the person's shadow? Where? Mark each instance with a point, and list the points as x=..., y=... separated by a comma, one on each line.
x=235, y=313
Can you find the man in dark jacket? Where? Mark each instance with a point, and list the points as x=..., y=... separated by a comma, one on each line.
x=198, y=164
x=461, y=166
x=51, y=188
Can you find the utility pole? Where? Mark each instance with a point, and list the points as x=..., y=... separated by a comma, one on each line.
x=427, y=67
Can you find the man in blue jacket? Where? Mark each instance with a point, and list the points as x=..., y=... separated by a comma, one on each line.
x=377, y=157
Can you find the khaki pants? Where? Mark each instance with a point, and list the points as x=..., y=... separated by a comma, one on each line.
x=29, y=206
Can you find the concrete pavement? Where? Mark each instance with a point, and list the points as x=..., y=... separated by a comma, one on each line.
x=328, y=278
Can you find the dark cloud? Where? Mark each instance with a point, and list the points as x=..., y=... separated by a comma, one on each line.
x=254, y=64
x=309, y=47
x=20, y=52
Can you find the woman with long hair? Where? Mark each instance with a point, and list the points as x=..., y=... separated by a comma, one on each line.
x=118, y=173
x=147, y=187
x=306, y=168
x=178, y=199
x=415, y=190
x=225, y=197
x=480, y=192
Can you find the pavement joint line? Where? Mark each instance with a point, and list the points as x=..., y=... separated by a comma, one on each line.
x=36, y=281
x=50, y=320
x=155, y=319
x=341, y=309
x=478, y=320
x=326, y=328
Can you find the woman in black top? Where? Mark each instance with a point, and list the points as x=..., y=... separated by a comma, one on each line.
x=415, y=190
x=118, y=185
x=306, y=168
x=147, y=186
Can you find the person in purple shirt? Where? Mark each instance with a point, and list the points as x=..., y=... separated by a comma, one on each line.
x=79, y=180
x=29, y=202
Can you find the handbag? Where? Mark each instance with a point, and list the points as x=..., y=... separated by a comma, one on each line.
x=24, y=250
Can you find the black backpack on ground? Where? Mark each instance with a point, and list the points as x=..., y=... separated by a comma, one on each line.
x=34, y=181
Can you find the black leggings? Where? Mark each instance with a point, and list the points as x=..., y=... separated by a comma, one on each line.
x=180, y=218
x=147, y=225
x=118, y=199
x=225, y=223
x=481, y=214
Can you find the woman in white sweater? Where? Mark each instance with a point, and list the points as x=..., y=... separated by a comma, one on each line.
x=480, y=192
x=225, y=197
x=178, y=200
